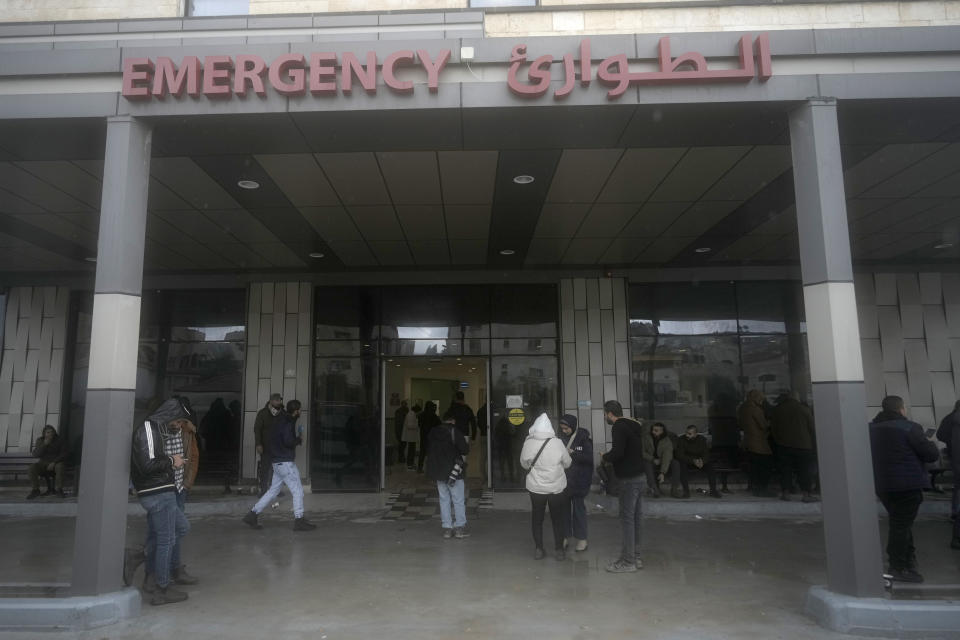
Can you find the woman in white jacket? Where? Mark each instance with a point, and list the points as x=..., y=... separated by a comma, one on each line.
x=545, y=457
x=411, y=436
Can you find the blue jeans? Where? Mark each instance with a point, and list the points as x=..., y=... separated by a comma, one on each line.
x=166, y=526
x=631, y=512
x=577, y=518
x=454, y=493
x=284, y=473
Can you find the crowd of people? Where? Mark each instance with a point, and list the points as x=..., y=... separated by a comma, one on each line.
x=559, y=466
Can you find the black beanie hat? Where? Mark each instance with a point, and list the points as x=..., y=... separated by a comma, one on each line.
x=569, y=420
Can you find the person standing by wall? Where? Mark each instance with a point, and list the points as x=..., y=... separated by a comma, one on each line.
x=793, y=433
x=261, y=437
x=900, y=450
x=756, y=441
x=579, y=476
x=626, y=456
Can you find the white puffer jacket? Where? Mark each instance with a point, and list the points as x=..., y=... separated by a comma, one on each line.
x=547, y=475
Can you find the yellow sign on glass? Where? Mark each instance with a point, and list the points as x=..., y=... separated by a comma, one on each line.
x=516, y=417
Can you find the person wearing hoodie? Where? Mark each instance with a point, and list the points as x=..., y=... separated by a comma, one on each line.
x=579, y=476
x=949, y=433
x=284, y=439
x=756, y=441
x=261, y=438
x=153, y=473
x=900, y=449
x=631, y=440
x=545, y=458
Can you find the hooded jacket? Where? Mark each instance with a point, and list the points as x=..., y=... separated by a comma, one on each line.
x=580, y=472
x=756, y=431
x=547, y=475
x=900, y=450
x=284, y=438
x=632, y=445
x=54, y=451
x=151, y=469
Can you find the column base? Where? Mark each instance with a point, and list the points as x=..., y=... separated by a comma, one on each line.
x=882, y=617
x=69, y=613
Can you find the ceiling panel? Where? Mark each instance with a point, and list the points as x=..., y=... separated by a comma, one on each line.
x=427, y=252
x=467, y=221
x=931, y=169
x=859, y=207
x=560, y=220
x=744, y=248
x=235, y=133
x=906, y=243
x=355, y=177
x=662, y=249
x=68, y=178
x=700, y=217
x=422, y=222
x=300, y=178
x=778, y=224
x=412, y=176
x=653, y=218
x=897, y=211
x=160, y=198
x=391, y=130
x=581, y=174
x=546, y=250
x=585, y=250
x=638, y=173
x=63, y=228
x=624, y=250
x=241, y=225
x=10, y=203
x=377, y=223
x=757, y=169
x=606, y=220
x=468, y=251
x=353, y=253
x=864, y=244
x=886, y=162
x=785, y=249
x=930, y=219
x=278, y=253
x=43, y=194
x=192, y=223
x=696, y=172
x=9, y=241
x=949, y=187
x=545, y=127
x=333, y=224
x=675, y=125
x=467, y=177
x=243, y=255
x=392, y=253
x=185, y=178
x=200, y=256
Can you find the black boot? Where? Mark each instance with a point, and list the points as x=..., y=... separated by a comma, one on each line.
x=251, y=519
x=180, y=576
x=167, y=595
x=302, y=524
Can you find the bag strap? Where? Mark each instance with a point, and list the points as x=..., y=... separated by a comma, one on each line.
x=537, y=457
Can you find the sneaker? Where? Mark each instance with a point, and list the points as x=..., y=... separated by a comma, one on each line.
x=539, y=554
x=48, y=492
x=149, y=584
x=906, y=575
x=566, y=542
x=581, y=545
x=33, y=494
x=560, y=555
x=460, y=533
x=132, y=558
x=302, y=524
x=447, y=534
x=167, y=595
x=180, y=576
x=621, y=566
x=251, y=519
x=638, y=562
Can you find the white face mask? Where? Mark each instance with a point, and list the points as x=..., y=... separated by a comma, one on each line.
x=274, y=410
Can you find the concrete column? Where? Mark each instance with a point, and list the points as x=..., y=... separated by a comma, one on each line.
x=112, y=379
x=836, y=369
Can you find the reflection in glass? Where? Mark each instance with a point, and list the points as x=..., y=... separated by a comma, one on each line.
x=524, y=311
x=346, y=313
x=421, y=347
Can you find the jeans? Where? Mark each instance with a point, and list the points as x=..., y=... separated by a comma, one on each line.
x=799, y=461
x=182, y=529
x=558, y=516
x=284, y=473
x=577, y=518
x=631, y=512
x=455, y=493
x=166, y=524
x=902, y=506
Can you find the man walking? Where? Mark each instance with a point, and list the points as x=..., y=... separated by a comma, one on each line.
x=285, y=436
x=900, y=450
x=626, y=456
x=261, y=437
x=445, y=465
x=153, y=472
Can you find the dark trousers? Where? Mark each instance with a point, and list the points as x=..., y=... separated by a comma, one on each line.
x=401, y=452
x=683, y=470
x=577, y=518
x=902, y=506
x=558, y=516
x=411, y=453
x=761, y=467
x=955, y=501
x=424, y=438
x=795, y=461
x=38, y=469
x=266, y=472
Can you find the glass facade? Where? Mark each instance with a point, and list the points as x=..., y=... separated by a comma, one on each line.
x=357, y=327
x=697, y=348
x=191, y=345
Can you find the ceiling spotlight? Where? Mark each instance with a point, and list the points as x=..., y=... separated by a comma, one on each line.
x=91, y=259
x=942, y=245
x=248, y=184
x=523, y=179
x=507, y=252
x=702, y=250
x=316, y=254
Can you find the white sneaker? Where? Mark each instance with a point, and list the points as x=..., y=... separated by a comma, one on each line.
x=581, y=545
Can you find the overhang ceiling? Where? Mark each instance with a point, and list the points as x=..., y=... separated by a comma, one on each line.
x=613, y=186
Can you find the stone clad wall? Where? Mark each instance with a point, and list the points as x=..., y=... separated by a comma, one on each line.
x=910, y=340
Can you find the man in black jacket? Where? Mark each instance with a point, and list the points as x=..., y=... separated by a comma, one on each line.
x=152, y=472
x=626, y=456
x=448, y=450
x=463, y=416
x=261, y=438
x=900, y=450
x=693, y=454
x=52, y=453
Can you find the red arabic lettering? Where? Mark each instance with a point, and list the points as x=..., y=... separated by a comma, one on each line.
x=539, y=72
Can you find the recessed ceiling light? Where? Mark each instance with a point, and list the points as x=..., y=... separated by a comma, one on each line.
x=248, y=184
x=702, y=250
x=507, y=252
x=90, y=259
x=316, y=254
x=943, y=245
x=523, y=179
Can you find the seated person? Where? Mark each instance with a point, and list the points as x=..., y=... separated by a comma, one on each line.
x=693, y=454
x=52, y=453
x=663, y=462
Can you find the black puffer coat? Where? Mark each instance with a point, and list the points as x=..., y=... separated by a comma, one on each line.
x=580, y=473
